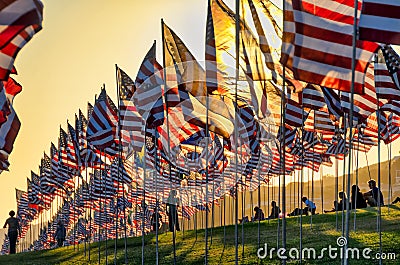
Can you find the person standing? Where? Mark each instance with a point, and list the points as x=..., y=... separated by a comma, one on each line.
x=156, y=220
x=60, y=234
x=172, y=204
x=13, y=230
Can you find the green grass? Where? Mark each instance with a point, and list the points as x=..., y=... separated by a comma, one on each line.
x=191, y=251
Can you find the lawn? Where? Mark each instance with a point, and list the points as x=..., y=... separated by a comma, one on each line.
x=190, y=250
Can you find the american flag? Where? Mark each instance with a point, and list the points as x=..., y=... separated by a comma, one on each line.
x=333, y=103
x=34, y=194
x=393, y=63
x=387, y=69
x=211, y=57
x=12, y=88
x=73, y=144
x=256, y=75
x=365, y=104
x=148, y=97
x=121, y=171
x=132, y=124
x=21, y=19
x=67, y=157
x=319, y=121
x=101, y=128
x=88, y=156
x=186, y=95
x=295, y=114
x=317, y=43
x=380, y=21
x=392, y=106
x=4, y=105
x=59, y=175
x=313, y=97
x=288, y=138
x=8, y=133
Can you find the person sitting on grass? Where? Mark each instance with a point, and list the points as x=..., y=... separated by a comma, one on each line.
x=357, y=198
x=310, y=206
x=374, y=196
x=396, y=200
x=338, y=206
x=259, y=214
x=275, y=211
x=297, y=211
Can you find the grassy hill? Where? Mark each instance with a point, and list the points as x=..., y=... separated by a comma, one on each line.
x=191, y=251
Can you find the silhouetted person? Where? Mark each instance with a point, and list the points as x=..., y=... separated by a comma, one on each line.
x=172, y=205
x=13, y=230
x=275, y=211
x=357, y=198
x=60, y=234
x=156, y=222
x=374, y=196
x=258, y=214
x=310, y=206
x=339, y=206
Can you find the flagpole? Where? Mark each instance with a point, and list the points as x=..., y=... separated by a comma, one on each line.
x=168, y=135
x=237, y=45
x=119, y=174
x=379, y=217
x=283, y=107
x=337, y=175
x=100, y=209
x=344, y=173
x=353, y=200
x=120, y=153
x=301, y=180
x=156, y=177
x=143, y=201
x=353, y=65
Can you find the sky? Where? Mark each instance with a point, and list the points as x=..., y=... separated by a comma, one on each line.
x=66, y=63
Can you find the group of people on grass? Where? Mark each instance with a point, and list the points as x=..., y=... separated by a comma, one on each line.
x=359, y=200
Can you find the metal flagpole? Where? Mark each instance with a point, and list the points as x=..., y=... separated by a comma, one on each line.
x=354, y=200
x=390, y=169
x=144, y=185
x=237, y=45
x=100, y=210
x=156, y=177
x=168, y=135
x=353, y=64
x=90, y=212
x=119, y=162
x=379, y=216
x=105, y=211
x=337, y=181
x=301, y=181
x=143, y=201
x=344, y=172
x=322, y=188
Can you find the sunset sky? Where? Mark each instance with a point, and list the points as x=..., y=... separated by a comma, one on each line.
x=66, y=63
